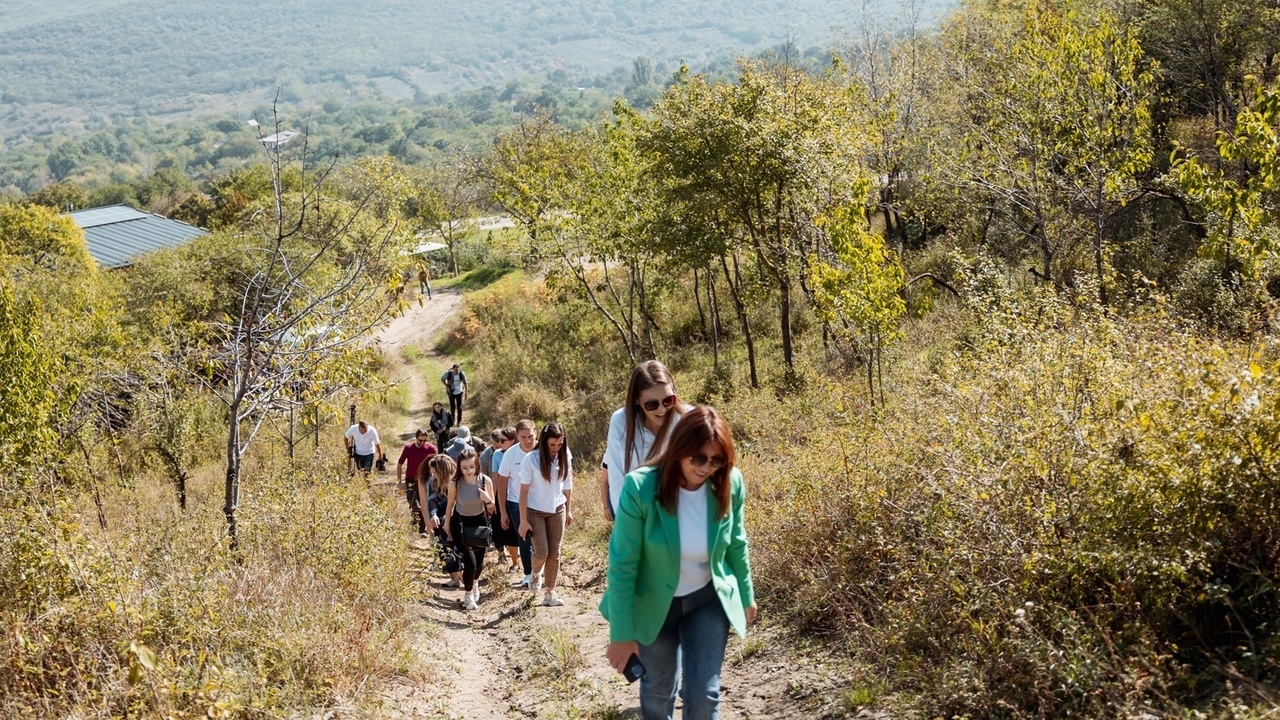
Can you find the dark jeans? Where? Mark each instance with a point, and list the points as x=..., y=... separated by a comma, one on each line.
x=411, y=494
x=364, y=462
x=455, y=409
x=690, y=650
x=526, y=543
x=472, y=557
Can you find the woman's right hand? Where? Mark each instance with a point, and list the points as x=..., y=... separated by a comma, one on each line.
x=525, y=529
x=619, y=654
x=506, y=521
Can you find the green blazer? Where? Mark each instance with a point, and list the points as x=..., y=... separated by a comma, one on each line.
x=644, y=559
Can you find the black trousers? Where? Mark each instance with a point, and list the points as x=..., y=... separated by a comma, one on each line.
x=415, y=509
x=455, y=409
x=472, y=557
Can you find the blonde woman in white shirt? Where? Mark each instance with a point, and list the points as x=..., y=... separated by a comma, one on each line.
x=638, y=430
x=546, y=486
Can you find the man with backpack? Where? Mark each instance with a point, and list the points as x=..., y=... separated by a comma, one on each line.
x=455, y=386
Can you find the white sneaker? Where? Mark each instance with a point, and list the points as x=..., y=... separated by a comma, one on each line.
x=469, y=603
x=551, y=599
x=475, y=593
x=536, y=585
x=526, y=582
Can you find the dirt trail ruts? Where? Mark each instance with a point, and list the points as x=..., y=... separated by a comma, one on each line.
x=512, y=658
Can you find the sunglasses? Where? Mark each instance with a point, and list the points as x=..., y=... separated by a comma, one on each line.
x=651, y=405
x=717, y=461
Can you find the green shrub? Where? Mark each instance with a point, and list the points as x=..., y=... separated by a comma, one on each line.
x=1071, y=515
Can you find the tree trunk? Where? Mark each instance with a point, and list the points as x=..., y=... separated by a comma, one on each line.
x=742, y=315
x=231, y=490
x=697, y=299
x=645, y=317
x=715, y=319
x=880, y=367
x=788, y=352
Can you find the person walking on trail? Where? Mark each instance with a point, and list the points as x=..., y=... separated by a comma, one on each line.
x=486, y=455
x=469, y=506
x=455, y=386
x=411, y=458
x=546, y=486
x=363, y=445
x=424, y=280
x=460, y=441
x=434, y=477
x=504, y=439
x=508, y=485
x=638, y=430
x=679, y=575
x=441, y=421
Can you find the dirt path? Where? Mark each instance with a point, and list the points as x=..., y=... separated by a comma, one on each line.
x=512, y=658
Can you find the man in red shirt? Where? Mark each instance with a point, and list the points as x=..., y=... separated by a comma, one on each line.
x=411, y=458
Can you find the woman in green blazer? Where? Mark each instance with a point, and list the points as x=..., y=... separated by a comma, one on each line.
x=679, y=575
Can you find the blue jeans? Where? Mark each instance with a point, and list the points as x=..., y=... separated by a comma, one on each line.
x=690, y=646
x=526, y=544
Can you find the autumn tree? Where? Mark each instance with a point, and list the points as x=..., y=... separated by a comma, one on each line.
x=858, y=289
x=314, y=271
x=765, y=157
x=1243, y=208
x=446, y=201
x=1056, y=129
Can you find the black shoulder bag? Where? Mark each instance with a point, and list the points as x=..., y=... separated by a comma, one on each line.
x=478, y=536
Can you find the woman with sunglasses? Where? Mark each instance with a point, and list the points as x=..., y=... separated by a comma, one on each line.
x=679, y=575
x=638, y=430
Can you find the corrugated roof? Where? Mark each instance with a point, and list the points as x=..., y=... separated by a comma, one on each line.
x=118, y=234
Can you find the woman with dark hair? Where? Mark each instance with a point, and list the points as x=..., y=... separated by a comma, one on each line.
x=638, y=430
x=441, y=421
x=679, y=575
x=546, y=485
x=470, y=502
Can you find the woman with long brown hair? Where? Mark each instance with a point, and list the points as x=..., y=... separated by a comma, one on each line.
x=433, y=484
x=546, y=486
x=638, y=430
x=470, y=502
x=679, y=575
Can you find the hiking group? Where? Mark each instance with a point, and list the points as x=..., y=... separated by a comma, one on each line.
x=678, y=577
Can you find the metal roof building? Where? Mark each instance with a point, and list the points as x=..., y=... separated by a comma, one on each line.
x=117, y=234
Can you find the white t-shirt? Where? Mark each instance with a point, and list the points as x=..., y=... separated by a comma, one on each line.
x=364, y=442
x=614, y=458
x=695, y=556
x=546, y=496
x=510, y=463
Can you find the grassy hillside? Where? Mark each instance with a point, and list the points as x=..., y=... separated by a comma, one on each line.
x=64, y=62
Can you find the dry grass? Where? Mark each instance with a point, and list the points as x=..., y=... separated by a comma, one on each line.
x=154, y=616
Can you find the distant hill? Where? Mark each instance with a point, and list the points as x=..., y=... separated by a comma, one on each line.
x=73, y=63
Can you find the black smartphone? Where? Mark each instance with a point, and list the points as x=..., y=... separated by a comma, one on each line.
x=634, y=670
